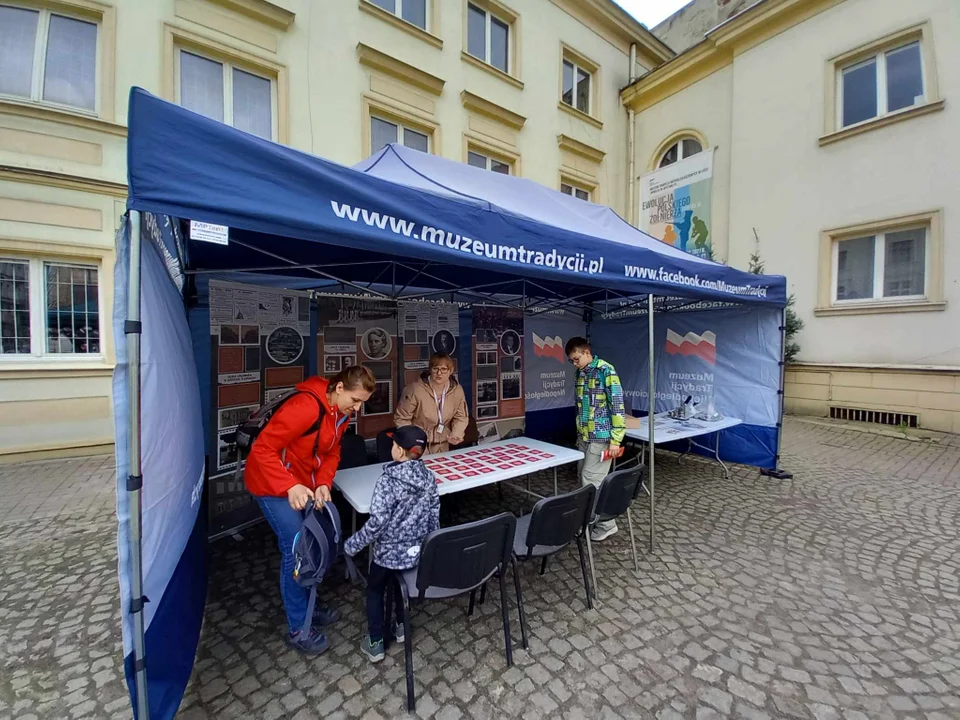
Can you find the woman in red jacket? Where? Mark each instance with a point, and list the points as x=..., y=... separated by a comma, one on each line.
x=283, y=473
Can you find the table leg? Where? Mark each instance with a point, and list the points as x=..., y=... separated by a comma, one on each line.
x=726, y=471
x=554, y=481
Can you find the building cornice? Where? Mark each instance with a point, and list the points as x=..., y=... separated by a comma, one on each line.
x=720, y=46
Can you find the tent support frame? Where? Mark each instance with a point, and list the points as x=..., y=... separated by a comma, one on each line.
x=651, y=408
x=132, y=330
x=776, y=471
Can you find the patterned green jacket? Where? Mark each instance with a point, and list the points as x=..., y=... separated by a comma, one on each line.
x=600, y=407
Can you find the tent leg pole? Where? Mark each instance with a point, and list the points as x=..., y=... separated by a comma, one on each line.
x=135, y=481
x=651, y=411
x=776, y=472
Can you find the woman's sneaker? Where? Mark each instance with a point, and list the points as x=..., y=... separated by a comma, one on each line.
x=398, y=632
x=373, y=650
x=313, y=644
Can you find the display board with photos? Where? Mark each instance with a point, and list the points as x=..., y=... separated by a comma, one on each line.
x=258, y=351
x=498, y=366
x=354, y=330
x=427, y=328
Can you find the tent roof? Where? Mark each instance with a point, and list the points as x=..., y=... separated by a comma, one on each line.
x=433, y=222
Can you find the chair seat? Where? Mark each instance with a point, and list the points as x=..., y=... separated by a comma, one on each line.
x=434, y=593
x=520, y=541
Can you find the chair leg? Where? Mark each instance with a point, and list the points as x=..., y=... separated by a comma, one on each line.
x=520, y=609
x=543, y=565
x=633, y=542
x=483, y=593
x=583, y=569
x=593, y=570
x=473, y=601
x=506, y=617
x=407, y=646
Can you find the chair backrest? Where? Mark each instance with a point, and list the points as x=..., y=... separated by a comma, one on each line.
x=557, y=520
x=353, y=451
x=464, y=556
x=617, y=491
x=384, y=445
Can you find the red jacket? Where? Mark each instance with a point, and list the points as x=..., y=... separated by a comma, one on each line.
x=268, y=473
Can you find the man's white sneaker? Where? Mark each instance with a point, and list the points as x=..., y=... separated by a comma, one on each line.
x=598, y=535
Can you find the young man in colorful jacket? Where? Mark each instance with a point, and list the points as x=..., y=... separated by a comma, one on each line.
x=601, y=424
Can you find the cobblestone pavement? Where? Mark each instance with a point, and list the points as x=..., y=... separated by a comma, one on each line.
x=833, y=595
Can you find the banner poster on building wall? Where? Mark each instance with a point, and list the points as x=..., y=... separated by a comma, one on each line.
x=498, y=401
x=549, y=378
x=427, y=328
x=258, y=341
x=675, y=203
x=355, y=330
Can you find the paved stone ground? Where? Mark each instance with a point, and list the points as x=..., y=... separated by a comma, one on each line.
x=834, y=595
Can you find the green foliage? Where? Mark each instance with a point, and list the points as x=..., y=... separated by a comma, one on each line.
x=794, y=323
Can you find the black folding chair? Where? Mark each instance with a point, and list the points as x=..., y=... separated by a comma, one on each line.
x=617, y=492
x=385, y=445
x=353, y=451
x=455, y=561
x=553, y=524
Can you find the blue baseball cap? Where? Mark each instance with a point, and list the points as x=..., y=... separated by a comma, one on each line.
x=409, y=437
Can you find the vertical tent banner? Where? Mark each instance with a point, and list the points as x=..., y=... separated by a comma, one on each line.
x=498, y=372
x=549, y=378
x=258, y=350
x=675, y=203
x=729, y=355
x=362, y=331
x=160, y=471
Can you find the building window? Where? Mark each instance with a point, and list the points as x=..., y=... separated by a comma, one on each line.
x=485, y=162
x=883, y=266
x=413, y=11
x=226, y=93
x=574, y=191
x=576, y=86
x=883, y=83
x=680, y=150
x=488, y=37
x=48, y=57
x=48, y=308
x=383, y=132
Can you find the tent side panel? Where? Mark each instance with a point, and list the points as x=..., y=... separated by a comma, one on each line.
x=174, y=570
x=731, y=355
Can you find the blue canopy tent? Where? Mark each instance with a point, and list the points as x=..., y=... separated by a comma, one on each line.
x=400, y=225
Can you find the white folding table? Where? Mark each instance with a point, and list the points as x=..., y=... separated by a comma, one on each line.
x=526, y=456
x=668, y=429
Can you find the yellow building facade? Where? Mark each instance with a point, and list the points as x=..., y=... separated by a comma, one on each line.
x=529, y=88
x=835, y=157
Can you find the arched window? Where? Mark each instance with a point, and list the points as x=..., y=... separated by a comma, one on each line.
x=683, y=148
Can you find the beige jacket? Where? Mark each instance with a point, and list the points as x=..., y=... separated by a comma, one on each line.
x=419, y=407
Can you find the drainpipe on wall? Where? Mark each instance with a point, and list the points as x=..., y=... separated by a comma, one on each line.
x=631, y=130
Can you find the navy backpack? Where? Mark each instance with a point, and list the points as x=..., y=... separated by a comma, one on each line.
x=316, y=547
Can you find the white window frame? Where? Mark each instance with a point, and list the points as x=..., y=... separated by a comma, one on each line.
x=39, y=66
x=488, y=37
x=879, y=268
x=401, y=129
x=680, y=150
x=489, y=160
x=577, y=67
x=880, y=58
x=39, y=311
x=573, y=191
x=398, y=13
x=228, y=67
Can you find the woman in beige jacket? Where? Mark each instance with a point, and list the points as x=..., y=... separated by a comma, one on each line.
x=436, y=404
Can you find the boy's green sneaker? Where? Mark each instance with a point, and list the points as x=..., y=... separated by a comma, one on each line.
x=373, y=650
